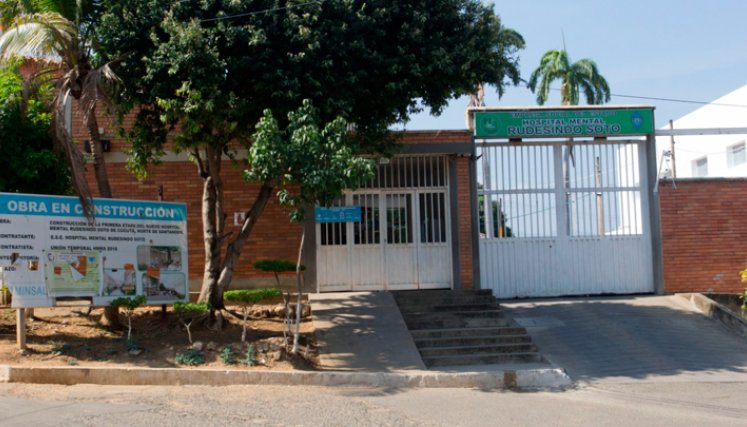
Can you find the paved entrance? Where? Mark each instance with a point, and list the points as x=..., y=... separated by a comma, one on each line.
x=660, y=338
x=363, y=331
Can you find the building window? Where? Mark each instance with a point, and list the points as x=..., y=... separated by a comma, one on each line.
x=700, y=167
x=736, y=155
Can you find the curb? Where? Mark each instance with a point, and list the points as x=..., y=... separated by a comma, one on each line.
x=509, y=379
x=716, y=311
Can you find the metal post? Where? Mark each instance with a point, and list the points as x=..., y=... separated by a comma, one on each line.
x=600, y=199
x=163, y=306
x=671, y=148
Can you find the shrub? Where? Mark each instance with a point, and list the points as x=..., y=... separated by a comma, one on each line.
x=190, y=358
x=247, y=297
x=276, y=266
x=251, y=296
x=188, y=312
x=228, y=356
x=251, y=356
x=129, y=304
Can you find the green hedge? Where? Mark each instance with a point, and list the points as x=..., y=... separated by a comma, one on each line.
x=251, y=296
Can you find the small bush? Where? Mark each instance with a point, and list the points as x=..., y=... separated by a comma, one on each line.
x=132, y=344
x=276, y=266
x=190, y=358
x=251, y=357
x=188, y=312
x=228, y=356
x=128, y=303
x=251, y=296
x=190, y=307
x=246, y=297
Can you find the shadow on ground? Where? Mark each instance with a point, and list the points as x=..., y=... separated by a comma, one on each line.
x=363, y=331
x=632, y=338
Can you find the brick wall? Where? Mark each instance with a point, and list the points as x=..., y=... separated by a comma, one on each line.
x=704, y=234
x=464, y=216
x=273, y=237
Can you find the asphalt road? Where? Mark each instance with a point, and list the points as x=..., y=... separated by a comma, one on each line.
x=638, y=403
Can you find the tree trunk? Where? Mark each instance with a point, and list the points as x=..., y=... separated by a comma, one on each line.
x=299, y=286
x=111, y=314
x=210, y=292
x=99, y=164
x=237, y=245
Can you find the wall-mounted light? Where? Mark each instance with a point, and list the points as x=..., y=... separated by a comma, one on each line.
x=106, y=146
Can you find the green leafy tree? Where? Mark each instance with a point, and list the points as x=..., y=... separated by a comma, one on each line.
x=316, y=164
x=509, y=44
x=208, y=69
x=28, y=161
x=575, y=77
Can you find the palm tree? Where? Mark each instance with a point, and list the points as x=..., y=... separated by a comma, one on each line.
x=509, y=43
x=59, y=36
x=581, y=75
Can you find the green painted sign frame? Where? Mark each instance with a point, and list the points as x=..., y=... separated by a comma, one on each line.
x=520, y=124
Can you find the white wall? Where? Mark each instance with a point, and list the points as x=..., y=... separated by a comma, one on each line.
x=688, y=149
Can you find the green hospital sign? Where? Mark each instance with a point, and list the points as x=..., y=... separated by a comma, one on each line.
x=563, y=123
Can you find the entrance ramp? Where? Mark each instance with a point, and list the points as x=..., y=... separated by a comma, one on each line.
x=362, y=331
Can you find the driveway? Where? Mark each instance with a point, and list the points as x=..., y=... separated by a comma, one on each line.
x=621, y=339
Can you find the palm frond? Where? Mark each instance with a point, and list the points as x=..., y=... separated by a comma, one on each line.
x=582, y=75
x=94, y=89
x=47, y=36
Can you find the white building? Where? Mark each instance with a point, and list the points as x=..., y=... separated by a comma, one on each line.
x=709, y=155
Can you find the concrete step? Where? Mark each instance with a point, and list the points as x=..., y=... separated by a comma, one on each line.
x=417, y=308
x=460, y=322
x=446, y=315
x=432, y=293
x=470, y=332
x=482, y=359
x=443, y=300
x=476, y=350
x=482, y=340
x=436, y=297
x=464, y=327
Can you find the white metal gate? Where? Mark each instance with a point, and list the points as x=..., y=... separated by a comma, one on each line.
x=564, y=219
x=402, y=240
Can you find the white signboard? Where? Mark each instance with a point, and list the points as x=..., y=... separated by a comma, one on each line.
x=49, y=250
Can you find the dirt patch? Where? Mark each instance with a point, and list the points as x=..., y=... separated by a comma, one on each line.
x=73, y=336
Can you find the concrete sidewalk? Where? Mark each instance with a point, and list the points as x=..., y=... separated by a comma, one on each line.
x=362, y=331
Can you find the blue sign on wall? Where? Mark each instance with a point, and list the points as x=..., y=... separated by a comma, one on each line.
x=338, y=214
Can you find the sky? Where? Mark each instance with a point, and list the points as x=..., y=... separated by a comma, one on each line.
x=692, y=50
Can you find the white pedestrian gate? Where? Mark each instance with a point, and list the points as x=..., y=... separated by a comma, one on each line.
x=564, y=219
x=403, y=239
